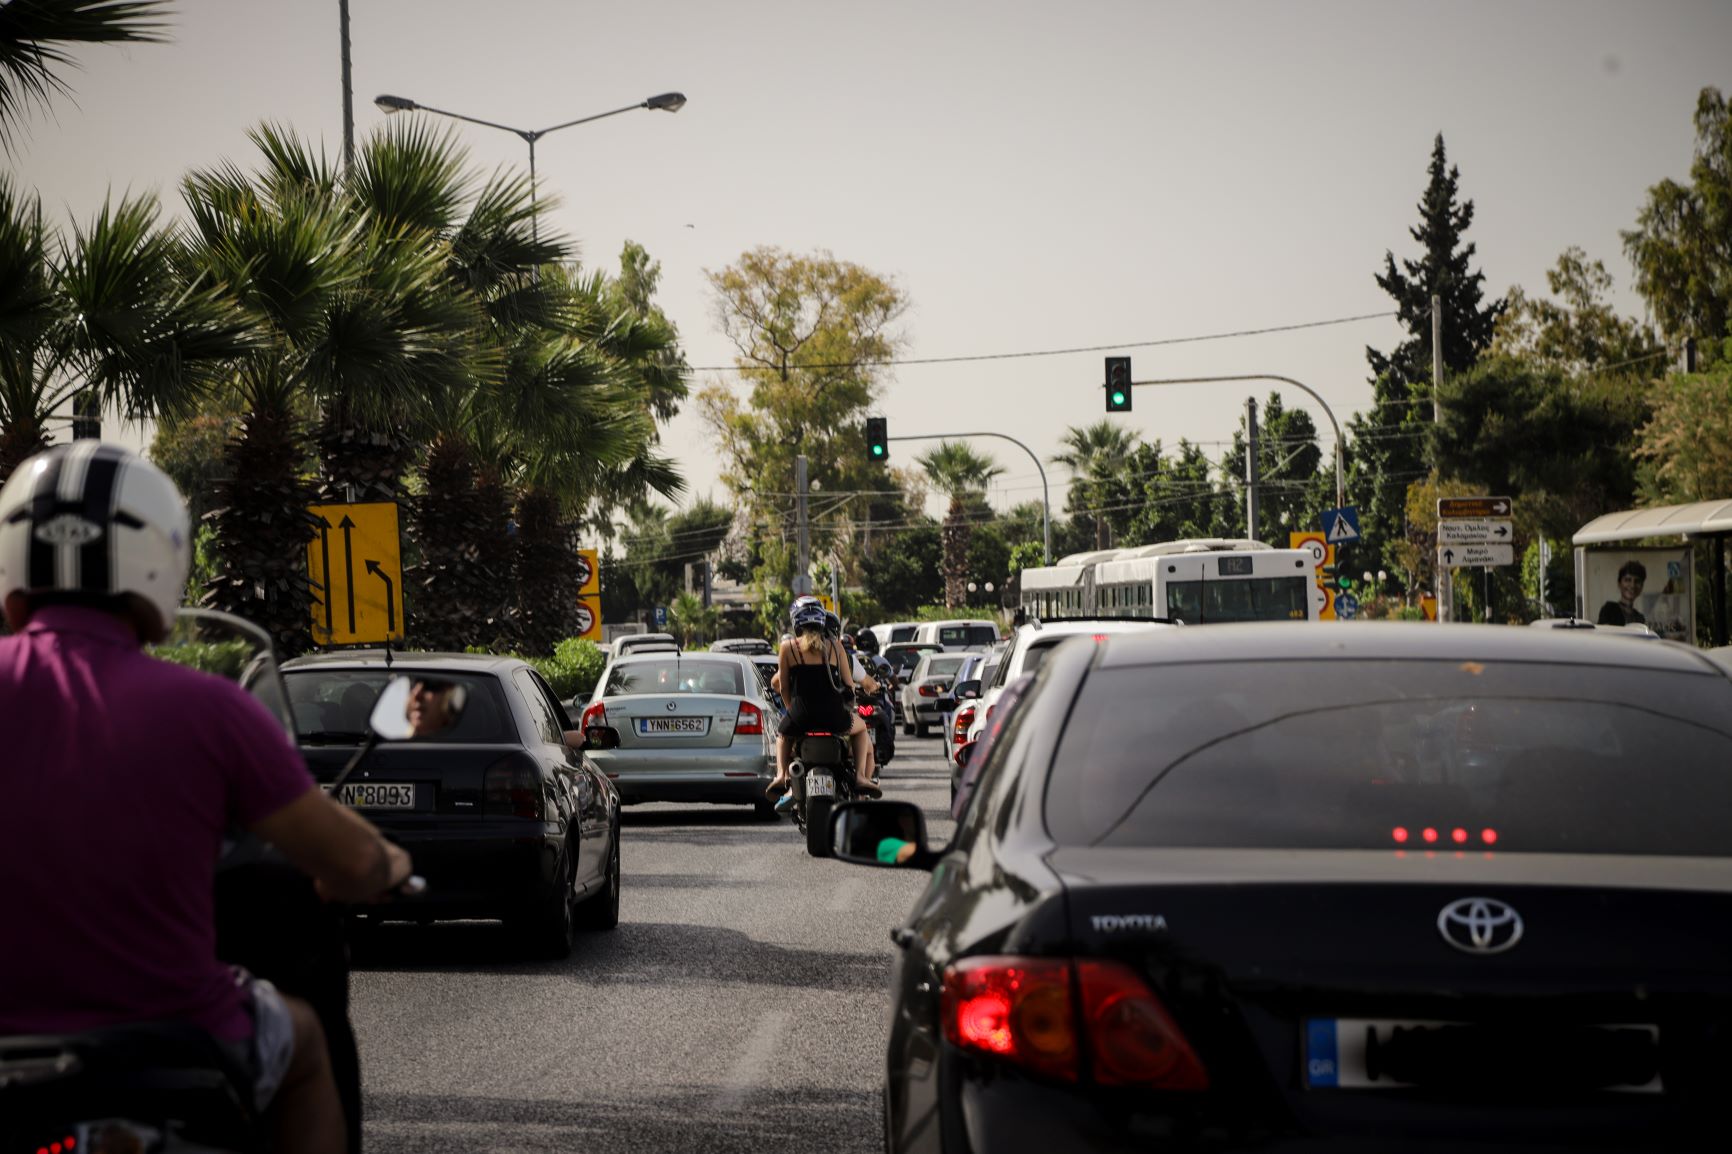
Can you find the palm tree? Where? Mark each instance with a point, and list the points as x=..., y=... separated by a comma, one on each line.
x=958, y=472
x=35, y=41
x=111, y=315
x=1094, y=454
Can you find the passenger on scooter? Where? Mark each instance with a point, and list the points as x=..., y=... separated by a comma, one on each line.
x=815, y=679
x=122, y=775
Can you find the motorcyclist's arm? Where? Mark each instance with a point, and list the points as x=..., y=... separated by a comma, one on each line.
x=341, y=850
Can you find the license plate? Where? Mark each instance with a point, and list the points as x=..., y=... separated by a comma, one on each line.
x=377, y=795
x=663, y=726
x=1338, y=1052
x=820, y=785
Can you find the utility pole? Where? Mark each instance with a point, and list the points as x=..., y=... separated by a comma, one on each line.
x=802, y=573
x=1251, y=468
x=348, y=91
x=1445, y=577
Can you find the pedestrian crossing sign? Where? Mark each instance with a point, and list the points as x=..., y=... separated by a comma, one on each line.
x=1341, y=525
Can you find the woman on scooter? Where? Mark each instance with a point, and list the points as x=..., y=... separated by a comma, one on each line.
x=818, y=686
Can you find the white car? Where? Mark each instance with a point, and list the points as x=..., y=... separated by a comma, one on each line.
x=925, y=686
x=890, y=632
x=1029, y=646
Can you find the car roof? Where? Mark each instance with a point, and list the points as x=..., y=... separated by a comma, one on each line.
x=375, y=658
x=961, y=621
x=1393, y=640
x=1071, y=627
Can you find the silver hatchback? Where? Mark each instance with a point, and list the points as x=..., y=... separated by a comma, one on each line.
x=693, y=727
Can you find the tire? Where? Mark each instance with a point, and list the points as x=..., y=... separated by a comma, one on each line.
x=551, y=931
x=601, y=911
x=922, y=731
x=907, y=729
x=818, y=826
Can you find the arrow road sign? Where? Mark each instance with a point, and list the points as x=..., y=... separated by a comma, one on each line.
x=350, y=607
x=390, y=595
x=1473, y=508
x=1474, y=532
x=1475, y=556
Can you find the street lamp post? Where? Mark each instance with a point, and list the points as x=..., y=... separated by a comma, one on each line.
x=665, y=102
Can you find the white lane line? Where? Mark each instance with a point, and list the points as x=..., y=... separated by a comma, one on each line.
x=844, y=896
x=751, y=1070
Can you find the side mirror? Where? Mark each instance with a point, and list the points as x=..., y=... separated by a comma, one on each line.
x=966, y=691
x=411, y=707
x=600, y=737
x=880, y=833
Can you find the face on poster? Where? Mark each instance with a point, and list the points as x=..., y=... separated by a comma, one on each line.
x=1651, y=587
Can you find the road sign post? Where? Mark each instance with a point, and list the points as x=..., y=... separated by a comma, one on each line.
x=355, y=567
x=1472, y=532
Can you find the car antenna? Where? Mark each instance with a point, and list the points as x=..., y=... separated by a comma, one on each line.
x=387, y=655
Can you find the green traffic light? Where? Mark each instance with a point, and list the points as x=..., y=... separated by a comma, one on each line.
x=877, y=450
x=1118, y=396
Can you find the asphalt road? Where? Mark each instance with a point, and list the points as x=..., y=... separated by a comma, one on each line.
x=741, y=1005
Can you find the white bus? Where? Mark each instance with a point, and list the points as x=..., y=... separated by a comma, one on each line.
x=1201, y=581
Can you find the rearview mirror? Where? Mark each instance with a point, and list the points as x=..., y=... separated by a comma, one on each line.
x=600, y=737
x=412, y=707
x=880, y=833
x=966, y=690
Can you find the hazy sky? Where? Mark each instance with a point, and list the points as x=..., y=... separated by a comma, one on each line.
x=1033, y=175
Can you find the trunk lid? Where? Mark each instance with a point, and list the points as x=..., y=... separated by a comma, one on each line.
x=674, y=720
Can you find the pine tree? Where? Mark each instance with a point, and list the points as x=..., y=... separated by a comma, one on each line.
x=1390, y=439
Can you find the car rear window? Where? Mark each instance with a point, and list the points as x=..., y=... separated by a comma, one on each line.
x=945, y=666
x=903, y=633
x=1520, y=757
x=333, y=705
x=1038, y=653
x=675, y=675
x=967, y=635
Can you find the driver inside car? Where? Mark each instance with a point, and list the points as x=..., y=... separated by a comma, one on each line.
x=122, y=777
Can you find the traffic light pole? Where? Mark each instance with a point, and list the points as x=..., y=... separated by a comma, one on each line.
x=1340, y=472
x=1045, y=497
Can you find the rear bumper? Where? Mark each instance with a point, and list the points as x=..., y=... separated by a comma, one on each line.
x=478, y=867
x=698, y=775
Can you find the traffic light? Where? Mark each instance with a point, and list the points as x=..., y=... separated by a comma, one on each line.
x=877, y=438
x=1118, y=384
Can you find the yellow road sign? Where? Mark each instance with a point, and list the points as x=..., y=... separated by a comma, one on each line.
x=589, y=619
x=824, y=599
x=588, y=573
x=355, y=566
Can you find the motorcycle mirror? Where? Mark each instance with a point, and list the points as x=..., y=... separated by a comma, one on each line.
x=411, y=707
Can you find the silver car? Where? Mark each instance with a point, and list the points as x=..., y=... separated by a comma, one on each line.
x=926, y=685
x=693, y=727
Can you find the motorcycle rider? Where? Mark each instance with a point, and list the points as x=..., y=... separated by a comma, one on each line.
x=816, y=680
x=123, y=774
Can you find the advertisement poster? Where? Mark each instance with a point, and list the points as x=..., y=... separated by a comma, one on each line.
x=1651, y=587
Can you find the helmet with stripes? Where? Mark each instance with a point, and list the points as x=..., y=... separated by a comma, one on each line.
x=94, y=523
x=806, y=612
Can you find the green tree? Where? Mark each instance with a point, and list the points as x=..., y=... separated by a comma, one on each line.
x=36, y=42
x=960, y=473
x=1686, y=446
x=1096, y=456
x=1580, y=331
x=1681, y=246
x=1389, y=439
x=904, y=573
x=1294, y=488
x=1178, y=498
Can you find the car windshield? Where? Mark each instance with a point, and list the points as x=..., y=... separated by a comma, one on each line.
x=1414, y=756
x=675, y=675
x=333, y=705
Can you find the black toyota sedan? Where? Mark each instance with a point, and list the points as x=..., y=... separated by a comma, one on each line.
x=503, y=815
x=1371, y=887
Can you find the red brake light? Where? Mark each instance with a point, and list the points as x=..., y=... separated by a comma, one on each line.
x=1133, y=1041
x=749, y=722
x=1014, y=1008
x=513, y=787
x=959, y=729
x=1488, y=836
x=1400, y=833
x=594, y=715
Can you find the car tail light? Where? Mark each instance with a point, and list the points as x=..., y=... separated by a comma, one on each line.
x=1018, y=1009
x=1023, y=1010
x=1132, y=1040
x=749, y=722
x=513, y=787
x=927, y=689
x=959, y=728
x=594, y=715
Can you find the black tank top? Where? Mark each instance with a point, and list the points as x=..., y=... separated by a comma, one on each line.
x=815, y=705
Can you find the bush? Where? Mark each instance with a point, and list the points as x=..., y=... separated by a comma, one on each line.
x=223, y=658
x=573, y=669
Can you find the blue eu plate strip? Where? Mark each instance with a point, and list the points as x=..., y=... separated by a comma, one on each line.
x=1321, y=1066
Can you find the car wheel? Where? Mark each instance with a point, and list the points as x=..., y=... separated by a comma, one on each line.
x=551, y=931
x=818, y=826
x=907, y=729
x=922, y=730
x=601, y=911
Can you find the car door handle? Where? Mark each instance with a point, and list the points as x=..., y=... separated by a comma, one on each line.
x=902, y=937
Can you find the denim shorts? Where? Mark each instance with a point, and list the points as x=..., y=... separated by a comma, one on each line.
x=267, y=1054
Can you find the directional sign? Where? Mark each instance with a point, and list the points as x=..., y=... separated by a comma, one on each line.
x=1473, y=508
x=1341, y=525
x=355, y=568
x=1347, y=607
x=1474, y=556
x=1475, y=532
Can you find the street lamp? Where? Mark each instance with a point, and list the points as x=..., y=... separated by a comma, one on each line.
x=665, y=102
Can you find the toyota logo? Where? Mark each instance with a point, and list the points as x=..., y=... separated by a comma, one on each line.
x=1480, y=925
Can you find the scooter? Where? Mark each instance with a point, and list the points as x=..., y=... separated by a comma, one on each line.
x=822, y=773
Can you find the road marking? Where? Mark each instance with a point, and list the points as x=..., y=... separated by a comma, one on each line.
x=751, y=1070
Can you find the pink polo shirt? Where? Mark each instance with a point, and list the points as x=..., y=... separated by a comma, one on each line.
x=119, y=774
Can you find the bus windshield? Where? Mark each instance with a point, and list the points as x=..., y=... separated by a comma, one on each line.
x=1238, y=599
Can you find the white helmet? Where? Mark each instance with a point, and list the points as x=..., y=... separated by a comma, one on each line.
x=94, y=521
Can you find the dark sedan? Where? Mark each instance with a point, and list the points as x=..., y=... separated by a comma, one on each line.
x=504, y=818
x=1374, y=887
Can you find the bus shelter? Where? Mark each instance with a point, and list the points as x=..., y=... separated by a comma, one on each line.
x=1652, y=583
